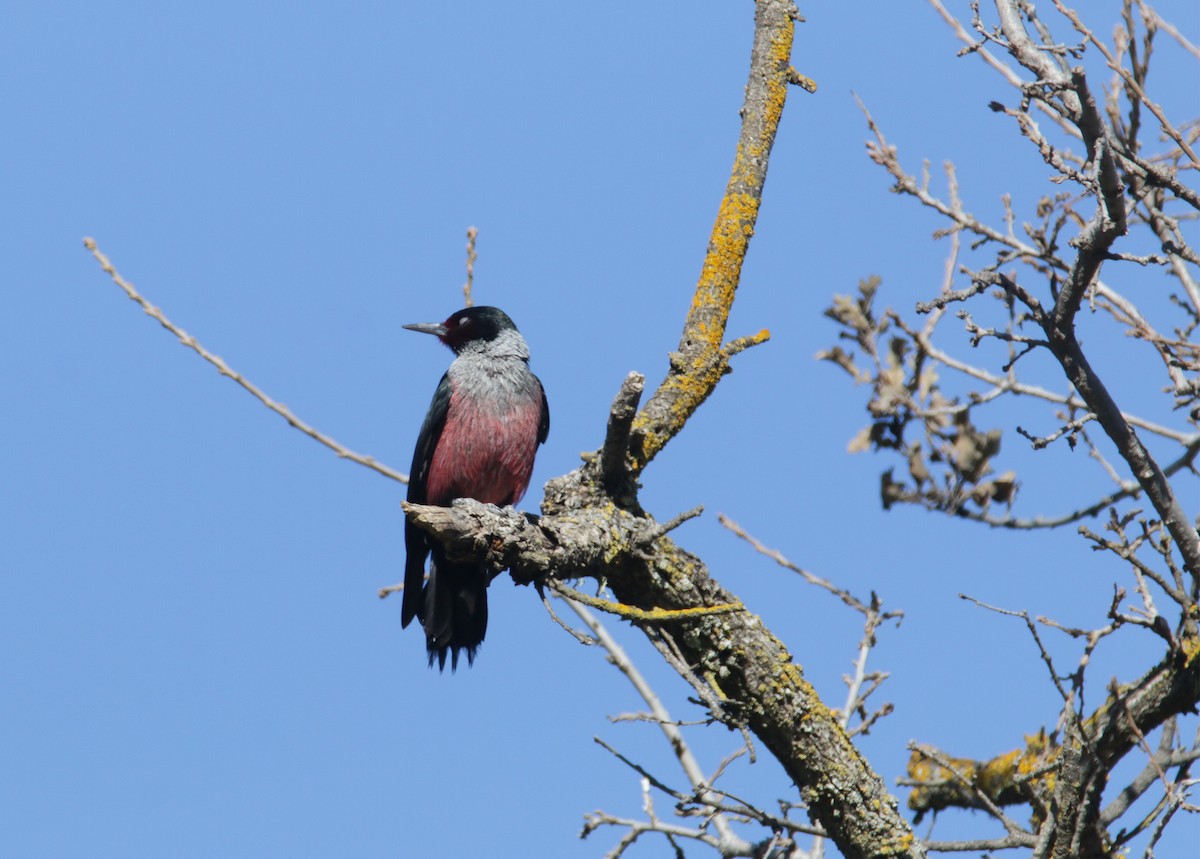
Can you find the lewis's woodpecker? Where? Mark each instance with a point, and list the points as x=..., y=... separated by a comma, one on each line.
x=487, y=418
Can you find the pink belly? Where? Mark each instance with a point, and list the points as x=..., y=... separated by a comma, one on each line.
x=483, y=455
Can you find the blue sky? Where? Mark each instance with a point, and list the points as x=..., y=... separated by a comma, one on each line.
x=196, y=662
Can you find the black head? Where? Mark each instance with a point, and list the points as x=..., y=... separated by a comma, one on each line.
x=469, y=325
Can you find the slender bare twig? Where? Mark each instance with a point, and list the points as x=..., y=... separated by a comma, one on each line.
x=741, y=809
x=1006, y=843
x=974, y=47
x=1167, y=27
x=873, y=615
x=582, y=638
x=845, y=596
x=225, y=370
x=1069, y=429
x=472, y=234
x=658, y=710
x=1032, y=627
x=1129, y=80
x=1068, y=400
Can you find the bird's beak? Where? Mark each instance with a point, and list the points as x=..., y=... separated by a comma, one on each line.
x=435, y=328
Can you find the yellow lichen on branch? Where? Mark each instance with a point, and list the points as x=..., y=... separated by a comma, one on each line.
x=700, y=361
x=630, y=612
x=940, y=781
x=722, y=268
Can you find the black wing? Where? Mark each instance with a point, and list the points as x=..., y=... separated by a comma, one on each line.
x=415, y=542
x=544, y=426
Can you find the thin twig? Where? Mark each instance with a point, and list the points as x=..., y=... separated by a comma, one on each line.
x=845, y=596
x=472, y=234
x=658, y=711
x=225, y=370
x=583, y=639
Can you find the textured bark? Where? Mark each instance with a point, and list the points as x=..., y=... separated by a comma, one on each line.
x=583, y=532
x=1075, y=773
x=592, y=525
x=701, y=359
x=1094, y=246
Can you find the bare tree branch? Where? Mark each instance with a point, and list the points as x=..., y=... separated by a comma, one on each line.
x=468, y=286
x=700, y=361
x=225, y=370
x=728, y=842
x=732, y=651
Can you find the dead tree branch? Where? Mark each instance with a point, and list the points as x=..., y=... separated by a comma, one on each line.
x=225, y=370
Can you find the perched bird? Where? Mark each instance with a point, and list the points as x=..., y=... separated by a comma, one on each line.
x=487, y=418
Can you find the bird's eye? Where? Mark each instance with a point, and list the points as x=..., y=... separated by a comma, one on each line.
x=462, y=320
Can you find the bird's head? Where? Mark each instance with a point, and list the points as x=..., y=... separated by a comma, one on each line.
x=471, y=325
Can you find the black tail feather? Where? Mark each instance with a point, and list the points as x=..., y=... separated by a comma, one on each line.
x=455, y=610
x=414, y=574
